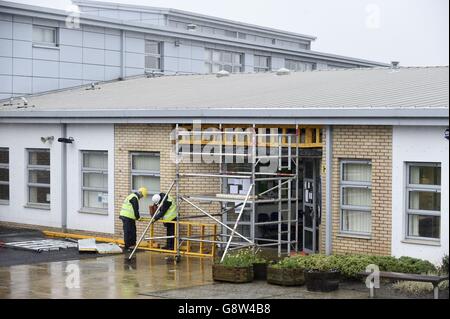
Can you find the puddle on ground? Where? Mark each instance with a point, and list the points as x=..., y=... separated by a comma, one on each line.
x=105, y=277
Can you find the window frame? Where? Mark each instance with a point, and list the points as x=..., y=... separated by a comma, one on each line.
x=312, y=64
x=47, y=44
x=353, y=184
x=261, y=69
x=33, y=167
x=158, y=56
x=103, y=171
x=6, y=166
x=134, y=172
x=422, y=188
x=210, y=62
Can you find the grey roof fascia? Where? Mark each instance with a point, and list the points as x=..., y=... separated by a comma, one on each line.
x=324, y=116
x=250, y=120
x=60, y=15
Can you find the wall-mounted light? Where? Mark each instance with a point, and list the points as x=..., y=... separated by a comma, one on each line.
x=45, y=139
x=66, y=140
x=446, y=134
x=177, y=43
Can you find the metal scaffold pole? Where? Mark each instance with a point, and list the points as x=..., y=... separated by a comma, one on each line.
x=279, y=182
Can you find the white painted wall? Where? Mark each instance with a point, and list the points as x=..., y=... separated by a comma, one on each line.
x=89, y=138
x=418, y=144
x=19, y=137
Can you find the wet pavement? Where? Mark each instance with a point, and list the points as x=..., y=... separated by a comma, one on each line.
x=103, y=278
x=149, y=275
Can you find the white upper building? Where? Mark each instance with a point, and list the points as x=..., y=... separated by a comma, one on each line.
x=43, y=49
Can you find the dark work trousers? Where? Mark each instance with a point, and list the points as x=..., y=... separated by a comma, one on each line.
x=129, y=231
x=170, y=232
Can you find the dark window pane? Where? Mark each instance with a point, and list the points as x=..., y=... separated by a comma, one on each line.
x=4, y=192
x=40, y=177
x=419, y=200
x=39, y=195
x=4, y=156
x=4, y=175
x=39, y=158
x=424, y=226
x=425, y=175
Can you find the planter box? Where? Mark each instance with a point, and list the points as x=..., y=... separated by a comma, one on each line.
x=260, y=271
x=323, y=281
x=285, y=276
x=232, y=274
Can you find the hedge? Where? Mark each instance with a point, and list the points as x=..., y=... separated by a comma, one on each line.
x=351, y=265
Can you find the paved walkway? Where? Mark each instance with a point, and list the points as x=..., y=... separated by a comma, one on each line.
x=149, y=275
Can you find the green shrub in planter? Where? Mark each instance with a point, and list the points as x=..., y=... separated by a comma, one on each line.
x=240, y=266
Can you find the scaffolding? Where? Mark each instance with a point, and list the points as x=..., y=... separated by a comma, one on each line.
x=276, y=190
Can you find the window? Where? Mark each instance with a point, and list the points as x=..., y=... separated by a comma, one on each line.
x=262, y=63
x=4, y=175
x=299, y=66
x=153, y=55
x=242, y=36
x=231, y=34
x=39, y=177
x=356, y=197
x=216, y=61
x=423, y=200
x=45, y=36
x=145, y=172
x=94, y=175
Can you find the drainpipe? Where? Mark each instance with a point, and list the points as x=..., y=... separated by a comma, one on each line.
x=329, y=163
x=64, y=180
x=122, y=54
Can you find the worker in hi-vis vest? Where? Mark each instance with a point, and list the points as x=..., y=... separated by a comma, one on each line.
x=129, y=214
x=168, y=213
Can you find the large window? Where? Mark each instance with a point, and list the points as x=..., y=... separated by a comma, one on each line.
x=262, y=63
x=94, y=174
x=216, y=61
x=153, y=55
x=38, y=177
x=423, y=200
x=4, y=175
x=47, y=36
x=356, y=197
x=145, y=172
x=299, y=66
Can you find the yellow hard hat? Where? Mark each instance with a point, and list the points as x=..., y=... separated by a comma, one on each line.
x=143, y=191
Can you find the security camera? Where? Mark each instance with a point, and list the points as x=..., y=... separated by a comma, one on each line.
x=69, y=140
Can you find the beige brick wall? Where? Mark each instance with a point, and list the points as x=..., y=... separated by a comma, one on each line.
x=156, y=138
x=369, y=143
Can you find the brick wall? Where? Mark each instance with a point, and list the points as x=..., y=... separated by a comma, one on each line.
x=372, y=143
x=156, y=138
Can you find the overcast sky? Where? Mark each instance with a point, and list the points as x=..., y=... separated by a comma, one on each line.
x=414, y=32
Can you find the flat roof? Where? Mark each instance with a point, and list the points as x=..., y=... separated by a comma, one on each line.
x=416, y=92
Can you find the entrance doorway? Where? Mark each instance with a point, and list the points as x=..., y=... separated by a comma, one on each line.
x=311, y=205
